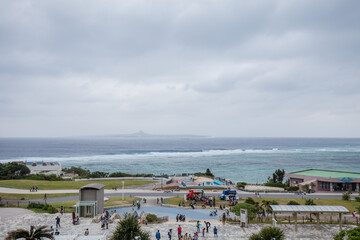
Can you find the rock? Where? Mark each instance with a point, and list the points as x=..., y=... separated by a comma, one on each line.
x=114, y=217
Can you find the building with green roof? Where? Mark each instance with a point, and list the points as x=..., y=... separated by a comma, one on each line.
x=325, y=180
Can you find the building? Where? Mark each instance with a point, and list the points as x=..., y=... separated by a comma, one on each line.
x=325, y=180
x=42, y=167
x=91, y=200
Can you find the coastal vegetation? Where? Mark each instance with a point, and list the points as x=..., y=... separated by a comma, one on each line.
x=13, y=170
x=268, y=233
x=84, y=173
x=277, y=178
x=59, y=185
x=33, y=234
x=353, y=234
x=207, y=173
x=42, y=207
x=129, y=228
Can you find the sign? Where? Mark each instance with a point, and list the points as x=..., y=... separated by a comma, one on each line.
x=243, y=217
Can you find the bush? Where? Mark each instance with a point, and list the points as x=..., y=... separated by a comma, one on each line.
x=268, y=233
x=353, y=234
x=249, y=200
x=121, y=174
x=128, y=228
x=273, y=202
x=309, y=202
x=241, y=185
x=346, y=197
x=292, y=188
x=251, y=209
x=357, y=199
x=46, y=207
x=151, y=218
x=271, y=184
x=292, y=202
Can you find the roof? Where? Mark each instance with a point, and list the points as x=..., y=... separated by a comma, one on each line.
x=327, y=173
x=97, y=186
x=309, y=209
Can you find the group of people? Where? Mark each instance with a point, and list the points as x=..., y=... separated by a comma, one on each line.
x=34, y=189
x=137, y=204
x=180, y=218
x=105, y=220
x=159, y=200
x=188, y=236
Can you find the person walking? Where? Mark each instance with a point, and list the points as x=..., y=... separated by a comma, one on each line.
x=207, y=227
x=177, y=217
x=198, y=226
x=215, y=232
x=169, y=234
x=203, y=232
x=158, y=235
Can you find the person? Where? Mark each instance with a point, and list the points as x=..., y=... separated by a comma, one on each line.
x=87, y=232
x=208, y=224
x=203, y=232
x=45, y=197
x=107, y=222
x=52, y=230
x=157, y=201
x=215, y=232
x=57, y=232
x=158, y=235
x=169, y=234
x=354, y=214
x=179, y=231
x=57, y=222
x=62, y=210
x=198, y=226
x=177, y=217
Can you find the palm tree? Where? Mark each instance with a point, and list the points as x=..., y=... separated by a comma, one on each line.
x=32, y=234
x=129, y=228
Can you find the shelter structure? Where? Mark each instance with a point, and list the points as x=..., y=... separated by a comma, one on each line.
x=91, y=200
x=325, y=180
x=317, y=210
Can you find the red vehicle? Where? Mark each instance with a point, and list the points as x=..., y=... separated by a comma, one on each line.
x=195, y=194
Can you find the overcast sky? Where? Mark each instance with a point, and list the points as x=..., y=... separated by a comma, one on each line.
x=218, y=68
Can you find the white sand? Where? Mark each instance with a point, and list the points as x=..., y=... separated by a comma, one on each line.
x=14, y=218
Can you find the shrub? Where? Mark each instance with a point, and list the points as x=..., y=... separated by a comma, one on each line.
x=268, y=233
x=129, y=228
x=151, y=218
x=251, y=209
x=46, y=207
x=292, y=188
x=249, y=200
x=292, y=202
x=309, y=202
x=357, y=199
x=273, y=202
x=346, y=197
x=241, y=184
x=353, y=234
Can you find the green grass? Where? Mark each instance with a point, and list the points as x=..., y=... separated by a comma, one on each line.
x=34, y=196
x=60, y=185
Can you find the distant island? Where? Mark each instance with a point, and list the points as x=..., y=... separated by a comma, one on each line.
x=142, y=134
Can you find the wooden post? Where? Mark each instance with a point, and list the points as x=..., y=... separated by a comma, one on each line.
x=295, y=219
x=340, y=221
x=273, y=218
x=318, y=221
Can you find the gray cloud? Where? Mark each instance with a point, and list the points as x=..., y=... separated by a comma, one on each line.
x=229, y=68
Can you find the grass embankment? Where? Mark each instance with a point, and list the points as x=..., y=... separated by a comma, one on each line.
x=350, y=205
x=35, y=196
x=61, y=185
x=69, y=205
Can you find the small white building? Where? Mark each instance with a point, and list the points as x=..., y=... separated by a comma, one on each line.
x=42, y=167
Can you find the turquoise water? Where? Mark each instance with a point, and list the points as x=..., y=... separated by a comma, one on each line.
x=237, y=159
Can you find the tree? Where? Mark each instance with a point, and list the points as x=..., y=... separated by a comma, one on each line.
x=277, y=178
x=251, y=209
x=292, y=202
x=33, y=234
x=129, y=228
x=268, y=233
x=12, y=170
x=209, y=173
x=309, y=202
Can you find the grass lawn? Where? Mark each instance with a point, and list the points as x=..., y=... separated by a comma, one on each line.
x=58, y=185
x=34, y=196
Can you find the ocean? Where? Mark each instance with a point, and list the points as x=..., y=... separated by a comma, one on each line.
x=238, y=159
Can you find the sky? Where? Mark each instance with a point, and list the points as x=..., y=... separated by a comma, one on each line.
x=218, y=68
